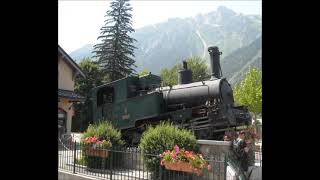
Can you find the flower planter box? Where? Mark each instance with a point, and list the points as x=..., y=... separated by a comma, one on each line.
x=96, y=152
x=182, y=166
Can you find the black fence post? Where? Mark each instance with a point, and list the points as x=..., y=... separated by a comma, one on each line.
x=111, y=167
x=74, y=156
x=225, y=166
x=160, y=172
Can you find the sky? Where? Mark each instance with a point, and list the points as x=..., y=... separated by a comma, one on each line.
x=79, y=22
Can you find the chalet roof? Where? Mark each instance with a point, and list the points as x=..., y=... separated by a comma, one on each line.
x=70, y=95
x=70, y=61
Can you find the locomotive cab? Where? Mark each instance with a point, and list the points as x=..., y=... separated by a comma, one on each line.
x=126, y=101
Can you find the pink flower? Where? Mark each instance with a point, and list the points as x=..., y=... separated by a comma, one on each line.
x=209, y=167
x=94, y=138
x=162, y=163
x=177, y=149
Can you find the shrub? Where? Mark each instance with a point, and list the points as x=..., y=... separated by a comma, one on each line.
x=156, y=140
x=103, y=131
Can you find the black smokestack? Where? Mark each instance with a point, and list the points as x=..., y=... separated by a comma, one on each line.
x=185, y=75
x=215, y=62
x=185, y=65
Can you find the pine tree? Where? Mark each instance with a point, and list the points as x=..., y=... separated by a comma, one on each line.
x=116, y=51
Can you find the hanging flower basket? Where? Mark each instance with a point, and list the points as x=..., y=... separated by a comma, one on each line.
x=182, y=166
x=182, y=160
x=95, y=147
x=90, y=151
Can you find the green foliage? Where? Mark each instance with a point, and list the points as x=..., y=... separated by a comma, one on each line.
x=196, y=64
x=116, y=51
x=249, y=91
x=94, y=77
x=199, y=68
x=169, y=77
x=144, y=72
x=164, y=137
x=104, y=131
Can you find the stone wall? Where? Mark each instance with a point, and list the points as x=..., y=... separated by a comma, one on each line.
x=210, y=147
x=215, y=151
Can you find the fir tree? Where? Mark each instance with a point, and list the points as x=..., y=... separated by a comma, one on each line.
x=116, y=51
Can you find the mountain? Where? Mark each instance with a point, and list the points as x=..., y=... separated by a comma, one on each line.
x=235, y=65
x=165, y=44
x=82, y=52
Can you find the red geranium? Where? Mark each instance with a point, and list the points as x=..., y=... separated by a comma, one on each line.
x=93, y=140
x=177, y=154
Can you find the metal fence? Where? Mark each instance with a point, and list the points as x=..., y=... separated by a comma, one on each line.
x=131, y=163
x=258, y=158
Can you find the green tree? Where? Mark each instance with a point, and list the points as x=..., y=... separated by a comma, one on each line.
x=94, y=77
x=169, y=76
x=144, y=72
x=197, y=65
x=249, y=91
x=200, y=70
x=115, y=52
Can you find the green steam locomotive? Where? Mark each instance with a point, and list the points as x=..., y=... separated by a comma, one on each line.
x=207, y=107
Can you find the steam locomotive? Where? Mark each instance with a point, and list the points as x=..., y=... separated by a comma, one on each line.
x=207, y=107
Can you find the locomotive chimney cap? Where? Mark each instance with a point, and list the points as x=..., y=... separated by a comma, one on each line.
x=213, y=49
x=185, y=64
x=185, y=74
x=210, y=48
